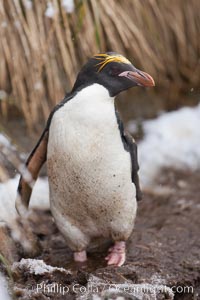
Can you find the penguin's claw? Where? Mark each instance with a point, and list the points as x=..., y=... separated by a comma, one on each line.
x=80, y=256
x=117, y=255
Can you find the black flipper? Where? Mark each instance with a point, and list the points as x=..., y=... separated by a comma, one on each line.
x=135, y=166
x=131, y=147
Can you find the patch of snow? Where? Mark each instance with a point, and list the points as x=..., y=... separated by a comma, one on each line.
x=68, y=5
x=36, y=266
x=171, y=140
x=8, y=192
x=4, y=288
x=50, y=11
x=40, y=196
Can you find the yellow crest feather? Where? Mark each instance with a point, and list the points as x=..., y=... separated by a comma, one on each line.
x=106, y=58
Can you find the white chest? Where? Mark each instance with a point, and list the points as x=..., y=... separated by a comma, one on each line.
x=85, y=142
x=86, y=125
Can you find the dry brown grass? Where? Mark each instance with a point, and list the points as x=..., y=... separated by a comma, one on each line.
x=40, y=56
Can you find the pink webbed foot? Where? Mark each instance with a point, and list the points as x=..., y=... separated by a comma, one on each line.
x=117, y=255
x=80, y=256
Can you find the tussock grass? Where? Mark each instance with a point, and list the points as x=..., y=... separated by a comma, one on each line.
x=40, y=56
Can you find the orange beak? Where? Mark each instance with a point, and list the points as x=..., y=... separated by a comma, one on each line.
x=139, y=77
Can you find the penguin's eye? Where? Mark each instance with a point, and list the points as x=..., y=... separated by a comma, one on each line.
x=114, y=71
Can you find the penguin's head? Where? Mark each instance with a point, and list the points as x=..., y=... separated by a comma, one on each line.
x=115, y=72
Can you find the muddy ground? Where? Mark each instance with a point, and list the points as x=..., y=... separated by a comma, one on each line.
x=163, y=251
